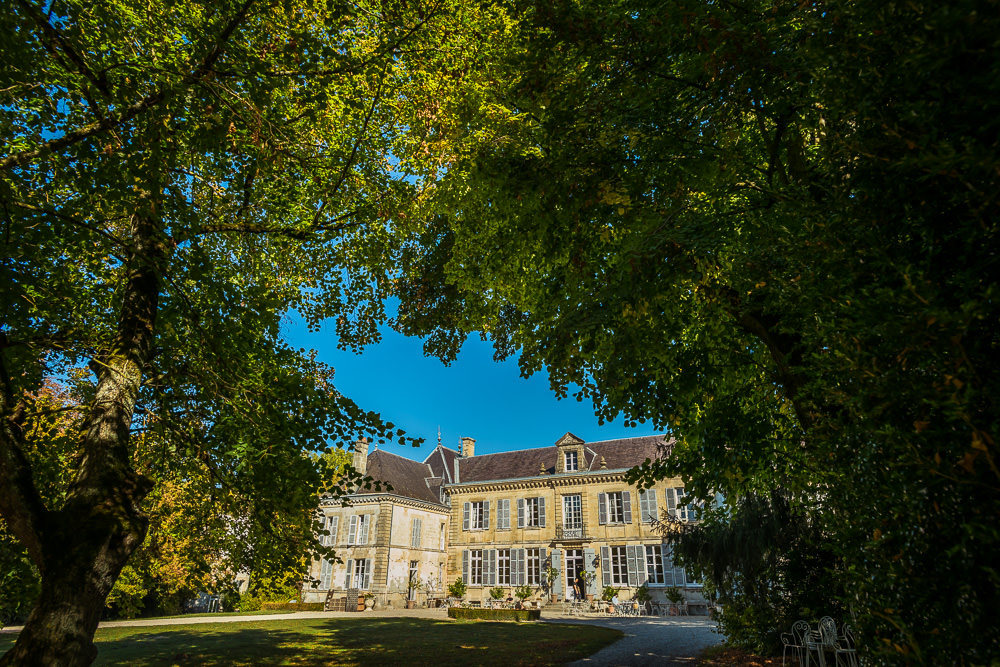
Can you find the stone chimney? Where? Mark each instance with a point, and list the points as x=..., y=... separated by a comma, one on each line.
x=360, y=461
x=468, y=447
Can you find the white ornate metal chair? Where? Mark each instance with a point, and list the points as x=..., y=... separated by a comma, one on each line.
x=846, y=649
x=822, y=640
x=796, y=641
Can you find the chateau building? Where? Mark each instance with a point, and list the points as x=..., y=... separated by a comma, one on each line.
x=505, y=519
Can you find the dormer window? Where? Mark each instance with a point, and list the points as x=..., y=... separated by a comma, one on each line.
x=571, y=462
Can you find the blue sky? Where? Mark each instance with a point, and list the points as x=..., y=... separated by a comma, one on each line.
x=475, y=396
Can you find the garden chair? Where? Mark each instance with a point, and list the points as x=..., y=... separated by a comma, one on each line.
x=796, y=641
x=846, y=649
x=822, y=640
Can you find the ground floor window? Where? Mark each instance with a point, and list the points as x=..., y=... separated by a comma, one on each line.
x=534, y=567
x=503, y=567
x=472, y=567
x=359, y=574
x=618, y=567
x=654, y=564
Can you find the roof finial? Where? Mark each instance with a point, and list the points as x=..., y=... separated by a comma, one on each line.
x=439, y=435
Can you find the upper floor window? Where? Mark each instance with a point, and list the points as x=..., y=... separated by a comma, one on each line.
x=357, y=529
x=572, y=511
x=503, y=514
x=648, y=511
x=571, y=463
x=476, y=515
x=441, y=538
x=680, y=508
x=328, y=530
x=415, y=533
x=614, y=507
x=531, y=512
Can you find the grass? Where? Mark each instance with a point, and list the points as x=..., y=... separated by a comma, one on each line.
x=363, y=642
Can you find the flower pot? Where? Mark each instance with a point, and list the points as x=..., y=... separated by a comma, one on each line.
x=590, y=597
x=411, y=604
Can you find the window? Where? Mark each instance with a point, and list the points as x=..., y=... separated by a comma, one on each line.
x=533, y=559
x=325, y=574
x=415, y=533
x=328, y=530
x=647, y=506
x=572, y=512
x=441, y=538
x=476, y=516
x=624, y=565
x=357, y=530
x=359, y=574
x=654, y=564
x=503, y=514
x=570, y=461
x=615, y=507
x=414, y=578
x=618, y=566
x=531, y=512
x=679, y=508
x=503, y=567
x=472, y=567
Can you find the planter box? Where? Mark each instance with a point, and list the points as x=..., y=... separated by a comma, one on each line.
x=516, y=615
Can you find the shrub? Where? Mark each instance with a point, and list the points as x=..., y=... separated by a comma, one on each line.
x=523, y=592
x=674, y=594
x=516, y=615
x=609, y=593
x=496, y=593
x=293, y=606
x=457, y=589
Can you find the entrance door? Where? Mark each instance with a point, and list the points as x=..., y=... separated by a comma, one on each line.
x=574, y=566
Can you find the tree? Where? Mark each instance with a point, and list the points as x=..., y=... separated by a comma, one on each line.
x=770, y=229
x=174, y=180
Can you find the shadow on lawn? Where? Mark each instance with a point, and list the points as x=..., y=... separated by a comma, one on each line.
x=390, y=641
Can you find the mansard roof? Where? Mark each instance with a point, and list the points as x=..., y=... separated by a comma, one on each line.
x=617, y=454
x=408, y=478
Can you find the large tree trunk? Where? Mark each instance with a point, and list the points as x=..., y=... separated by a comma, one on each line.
x=81, y=548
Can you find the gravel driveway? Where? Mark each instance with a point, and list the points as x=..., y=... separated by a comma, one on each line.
x=664, y=642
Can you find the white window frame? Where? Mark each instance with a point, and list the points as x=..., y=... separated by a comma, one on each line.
x=362, y=578
x=531, y=512
x=503, y=567
x=655, y=572
x=533, y=566
x=618, y=565
x=571, y=461
x=573, y=511
x=476, y=515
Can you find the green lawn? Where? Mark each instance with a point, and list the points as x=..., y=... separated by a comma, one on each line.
x=316, y=641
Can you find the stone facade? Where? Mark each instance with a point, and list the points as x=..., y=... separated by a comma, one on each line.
x=516, y=514
x=505, y=519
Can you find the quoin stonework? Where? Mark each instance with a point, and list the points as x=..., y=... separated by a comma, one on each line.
x=535, y=517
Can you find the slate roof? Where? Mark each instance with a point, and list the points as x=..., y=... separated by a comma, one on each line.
x=622, y=453
x=408, y=478
x=442, y=462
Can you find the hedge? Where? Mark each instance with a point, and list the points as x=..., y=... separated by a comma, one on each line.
x=469, y=613
x=293, y=606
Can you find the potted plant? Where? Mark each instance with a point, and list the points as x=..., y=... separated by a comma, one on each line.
x=369, y=600
x=496, y=593
x=676, y=598
x=588, y=579
x=551, y=577
x=522, y=593
x=457, y=589
x=609, y=594
x=412, y=586
x=642, y=596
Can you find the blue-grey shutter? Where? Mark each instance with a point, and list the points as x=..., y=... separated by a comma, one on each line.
x=588, y=564
x=352, y=529
x=334, y=524
x=490, y=567
x=520, y=557
x=671, y=503
x=541, y=511
x=633, y=565
x=627, y=501
x=350, y=570
x=606, y=565
x=668, y=575
x=602, y=508
x=557, y=585
x=486, y=515
x=465, y=516
x=465, y=567
x=366, y=582
x=503, y=514
x=653, y=512
x=520, y=512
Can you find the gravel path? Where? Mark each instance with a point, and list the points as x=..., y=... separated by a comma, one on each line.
x=664, y=642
